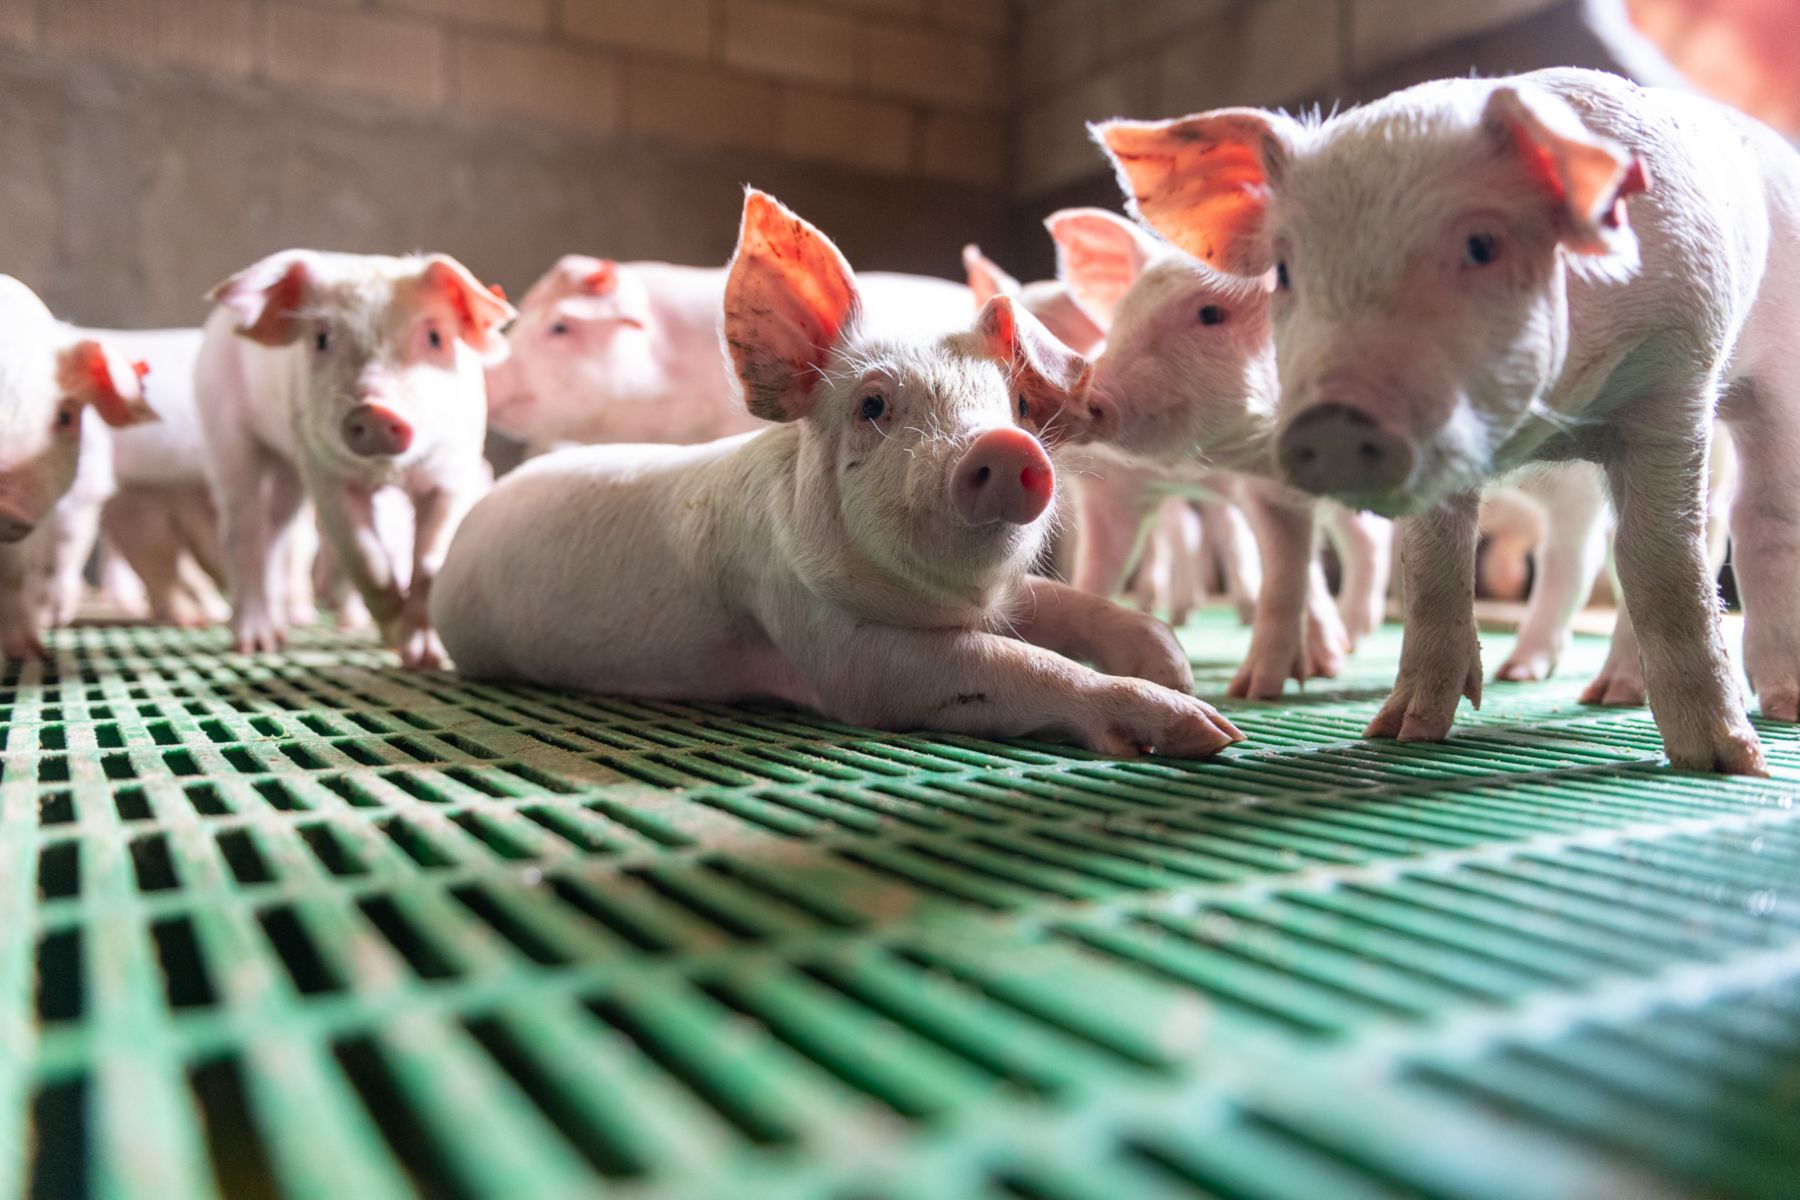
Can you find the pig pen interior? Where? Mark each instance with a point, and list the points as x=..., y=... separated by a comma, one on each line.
x=307, y=924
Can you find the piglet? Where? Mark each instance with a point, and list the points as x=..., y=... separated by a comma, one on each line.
x=1474, y=274
x=57, y=394
x=334, y=376
x=866, y=557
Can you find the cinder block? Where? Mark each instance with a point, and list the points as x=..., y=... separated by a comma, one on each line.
x=576, y=90
x=1382, y=31
x=211, y=35
x=790, y=41
x=676, y=27
x=965, y=147
x=402, y=60
x=699, y=107
x=822, y=126
x=1271, y=52
x=524, y=15
x=943, y=69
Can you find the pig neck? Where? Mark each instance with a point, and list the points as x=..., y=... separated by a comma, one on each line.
x=811, y=542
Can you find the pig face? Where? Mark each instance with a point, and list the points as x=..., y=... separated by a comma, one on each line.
x=391, y=350
x=1417, y=249
x=45, y=390
x=926, y=457
x=1188, y=372
x=583, y=335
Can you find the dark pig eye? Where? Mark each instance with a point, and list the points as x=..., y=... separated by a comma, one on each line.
x=1212, y=314
x=1281, y=276
x=1481, y=249
x=436, y=339
x=560, y=328
x=322, y=341
x=65, y=417
x=1024, y=408
x=873, y=407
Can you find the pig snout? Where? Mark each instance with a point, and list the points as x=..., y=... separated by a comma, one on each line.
x=14, y=524
x=370, y=429
x=1003, y=476
x=1337, y=450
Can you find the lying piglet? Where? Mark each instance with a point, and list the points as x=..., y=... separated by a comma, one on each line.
x=1477, y=273
x=52, y=387
x=866, y=557
x=334, y=376
x=607, y=351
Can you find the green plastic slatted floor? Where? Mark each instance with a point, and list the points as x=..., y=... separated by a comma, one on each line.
x=310, y=926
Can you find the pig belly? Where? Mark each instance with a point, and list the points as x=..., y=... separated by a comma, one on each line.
x=577, y=578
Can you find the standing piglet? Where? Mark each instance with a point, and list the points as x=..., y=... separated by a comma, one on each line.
x=866, y=557
x=52, y=386
x=336, y=375
x=1475, y=274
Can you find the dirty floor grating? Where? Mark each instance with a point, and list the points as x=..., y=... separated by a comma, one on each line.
x=310, y=926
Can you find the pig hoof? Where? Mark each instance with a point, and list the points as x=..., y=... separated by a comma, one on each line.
x=1731, y=752
x=1146, y=719
x=1149, y=650
x=1525, y=668
x=1615, y=689
x=421, y=650
x=24, y=646
x=1780, y=703
x=1410, y=716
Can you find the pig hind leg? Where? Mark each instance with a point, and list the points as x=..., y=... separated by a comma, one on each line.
x=1765, y=534
x=1570, y=558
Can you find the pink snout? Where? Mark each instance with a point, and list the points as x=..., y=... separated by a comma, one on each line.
x=14, y=524
x=1335, y=449
x=371, y=430
x=1003, y=476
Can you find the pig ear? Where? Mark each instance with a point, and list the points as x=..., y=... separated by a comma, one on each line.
x=1203, y=181
x=1099, y=255
x=481, y=312
x=267, y=296
x=986, y=279
x=789, y=299
x=1046, y=375
x=1588, y=177
x=91, y=374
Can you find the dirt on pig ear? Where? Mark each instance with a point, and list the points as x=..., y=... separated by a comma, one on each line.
x=1047, y=377
x=267, y=296
x=90, y=374
x=790, y=298
x=481, y=314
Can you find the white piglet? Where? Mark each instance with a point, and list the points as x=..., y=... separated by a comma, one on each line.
x=866, y=557
x=56, y=389
x=1478, y=273
x=334, y=376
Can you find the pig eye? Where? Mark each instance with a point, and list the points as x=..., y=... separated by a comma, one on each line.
x=65, y=416
x=873, y=407
x=1281, y=276
x=1024, y=408
x=1212, y=314
x=1481, y=249
x=560, y=328
x=322, y=341
x=436, y=339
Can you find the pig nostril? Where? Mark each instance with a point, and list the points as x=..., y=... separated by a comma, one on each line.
x=1370, y=452
x=1306, y=456
x=981, y=476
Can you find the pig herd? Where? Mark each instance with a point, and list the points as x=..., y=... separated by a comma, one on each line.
x=792, y=481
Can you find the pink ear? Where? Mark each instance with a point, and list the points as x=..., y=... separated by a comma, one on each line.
x=1587, y=177
x=1203, y=181
x=90, y=373
x=602, y=279
x=1047, y=376
x=986, y=279
x=480, y=313
x=789, y=299
x=267, y=296
x=1099, y=255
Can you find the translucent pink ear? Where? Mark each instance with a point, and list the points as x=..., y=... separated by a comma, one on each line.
x=1203, y=181
x=481, y=313
x=789, y=299
x=1047, y=377
x=986, y=279
x=267, y=296
x=1586, y=177
x=90, y=373
x=1099, y=255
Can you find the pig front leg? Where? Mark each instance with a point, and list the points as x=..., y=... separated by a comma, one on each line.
x=439, y=511
x=1364, y=545
x=1440, y=653
x=347, y=518
x=75, y=525
x=1224, y=536
x=20, y=636
x=1570, y=556
x=248, y=523
x=1115, y=639
x=1296, y=633
x=987, y=685
x=1658, y=491
x=1620, y=683
x=1765, y=531
x=1112, y=522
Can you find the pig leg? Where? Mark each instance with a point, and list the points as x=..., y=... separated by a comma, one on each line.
x=241, y=469
x=1765, y=531
x=1225, y=535
x=987, y=685
x=1620, y=683
x=1081, y=625
x=438, y=512
x=1660, y=550
x=1364, y=542
x=1296, y=633
x=197, y=528
x=1113, y=517
x=1440, y=653
x=20, y=636
x=75, y=526
x=1187, y=584
x=139, y=530
x=347, y=517
x=1570, y=557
